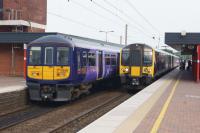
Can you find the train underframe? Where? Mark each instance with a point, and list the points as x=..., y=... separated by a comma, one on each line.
x=57, y=92
x=134, y=82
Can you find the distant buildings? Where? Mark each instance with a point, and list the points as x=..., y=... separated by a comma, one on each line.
x=19, y=16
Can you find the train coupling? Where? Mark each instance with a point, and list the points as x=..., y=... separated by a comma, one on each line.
x=47, y=93
x=135, y=81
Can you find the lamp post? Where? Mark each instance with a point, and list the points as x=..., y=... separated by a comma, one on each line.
x=159, y=38
x=106, y=32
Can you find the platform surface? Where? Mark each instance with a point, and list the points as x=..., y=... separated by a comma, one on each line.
x=9, y=84
x=171, y=104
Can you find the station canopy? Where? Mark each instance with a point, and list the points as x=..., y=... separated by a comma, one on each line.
x=183, y=41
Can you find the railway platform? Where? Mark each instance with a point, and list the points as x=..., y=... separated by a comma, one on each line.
x=13, y=94
x=10, y=84
x=170, y=104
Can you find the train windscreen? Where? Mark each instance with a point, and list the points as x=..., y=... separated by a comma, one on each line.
x=35, y=56
x=136, y=58
x=147, y=59
x=126, y=57
x=48, y=60
x=62, y=56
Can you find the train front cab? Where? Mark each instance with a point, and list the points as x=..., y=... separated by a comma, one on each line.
x=48, y=70
x=137, y=64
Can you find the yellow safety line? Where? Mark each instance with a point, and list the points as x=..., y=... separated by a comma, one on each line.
x=164, y=109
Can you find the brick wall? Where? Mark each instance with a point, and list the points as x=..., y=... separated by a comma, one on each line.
x=1, y=6
x=5, y=29
x=29, y=10
x=6, y=60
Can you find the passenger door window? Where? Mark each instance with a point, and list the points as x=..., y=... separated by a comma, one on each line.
x=91, y=59
x=113, y=60
x=107, y=58
x=84, y=55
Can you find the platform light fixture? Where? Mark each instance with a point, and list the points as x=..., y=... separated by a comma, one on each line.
x=106, y=32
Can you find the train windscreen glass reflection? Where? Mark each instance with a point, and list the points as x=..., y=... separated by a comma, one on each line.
x=147, y=61
x=136, y=58
x=35, y=56
x=48, y=56
x=126, y=57
x=62, y=56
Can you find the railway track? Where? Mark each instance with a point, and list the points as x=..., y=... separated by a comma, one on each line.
x=84, y=118
x=19, y=116
x=50, y=119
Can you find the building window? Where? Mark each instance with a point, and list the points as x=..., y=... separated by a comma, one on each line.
x=48, y=56
x=35, y=56
x=62, y=56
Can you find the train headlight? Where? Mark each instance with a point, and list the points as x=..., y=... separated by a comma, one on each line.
x=35, y=74
x=125, y=70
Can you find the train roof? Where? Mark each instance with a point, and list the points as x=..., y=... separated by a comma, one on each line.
x=138, y=44
x=164, y=52
x=76, y=41
x=158, y=50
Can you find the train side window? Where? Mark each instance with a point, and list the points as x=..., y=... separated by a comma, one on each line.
x=147, y=59
x=35, y=56
x=48, y=56
x=85, y=58
x=113, y=60
x=107, y=59
x=91, y=59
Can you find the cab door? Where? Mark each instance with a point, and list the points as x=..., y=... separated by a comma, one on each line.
x=48, y=69
x=136, y=61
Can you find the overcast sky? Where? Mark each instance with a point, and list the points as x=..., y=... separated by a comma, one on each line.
x=145, y=18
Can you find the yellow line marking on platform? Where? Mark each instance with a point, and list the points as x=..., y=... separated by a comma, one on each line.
x=164, y=109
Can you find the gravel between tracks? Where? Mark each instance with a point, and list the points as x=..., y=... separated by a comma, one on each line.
x=52, y=120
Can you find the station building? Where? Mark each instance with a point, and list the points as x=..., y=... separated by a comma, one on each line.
x=188, y=44
x=18, y=16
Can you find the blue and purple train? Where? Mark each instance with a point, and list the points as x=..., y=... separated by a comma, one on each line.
x=62, y=67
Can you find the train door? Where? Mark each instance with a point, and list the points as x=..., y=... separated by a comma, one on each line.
x=81, y=64
x=100, y=64
x=48, y=68
x=136, y=61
